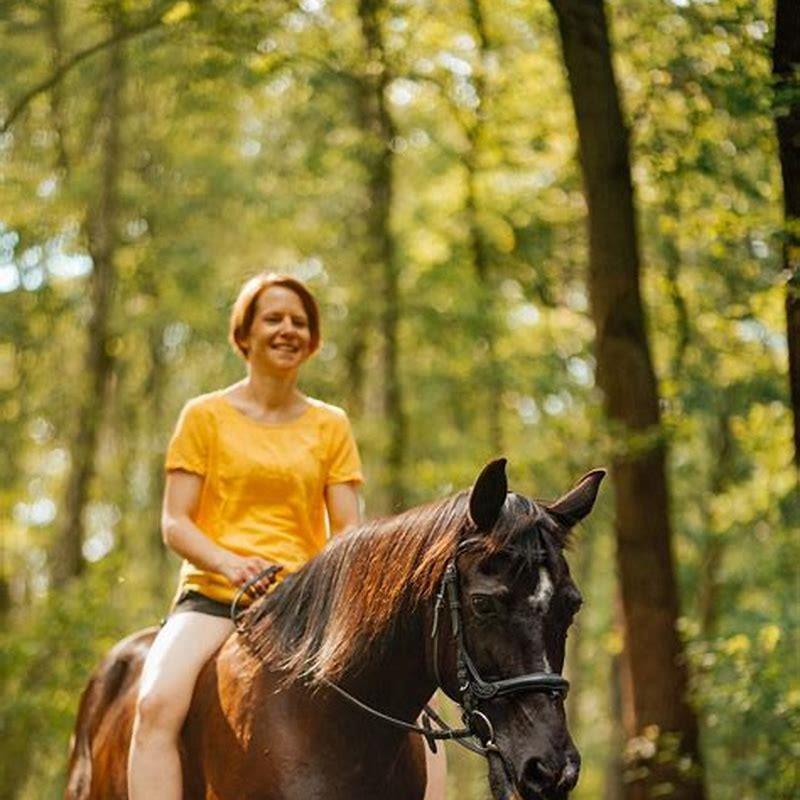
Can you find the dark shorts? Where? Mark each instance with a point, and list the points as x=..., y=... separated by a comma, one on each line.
x=199, y=603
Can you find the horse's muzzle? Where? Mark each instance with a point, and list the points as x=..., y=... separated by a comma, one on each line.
x=551, y=779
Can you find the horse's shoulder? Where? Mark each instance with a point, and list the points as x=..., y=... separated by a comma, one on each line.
x=233, y=658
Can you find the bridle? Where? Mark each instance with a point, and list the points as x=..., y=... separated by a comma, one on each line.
x=472, y=688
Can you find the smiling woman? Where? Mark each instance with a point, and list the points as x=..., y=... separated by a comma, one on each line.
x=258, y=475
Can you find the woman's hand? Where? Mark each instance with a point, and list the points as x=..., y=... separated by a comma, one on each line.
x=240, y=569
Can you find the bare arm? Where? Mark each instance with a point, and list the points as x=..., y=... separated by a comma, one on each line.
x=181, y=498
x=344, y=512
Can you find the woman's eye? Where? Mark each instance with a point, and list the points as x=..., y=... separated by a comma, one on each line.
x=484, y=605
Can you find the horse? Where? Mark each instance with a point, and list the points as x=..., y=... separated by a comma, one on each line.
x=313, y=695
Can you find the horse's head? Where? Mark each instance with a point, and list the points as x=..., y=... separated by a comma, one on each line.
x=518, y=601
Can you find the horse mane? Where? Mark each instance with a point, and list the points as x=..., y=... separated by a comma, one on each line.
x=323, y=619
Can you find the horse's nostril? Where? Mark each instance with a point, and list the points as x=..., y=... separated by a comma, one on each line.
x=537, y=775
x=569, y=777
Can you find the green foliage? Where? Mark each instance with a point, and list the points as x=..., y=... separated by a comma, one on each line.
x=47, y=652
x=243, y=147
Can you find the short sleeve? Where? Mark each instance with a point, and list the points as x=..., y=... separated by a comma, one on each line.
x=344, y=464
x=189, y=447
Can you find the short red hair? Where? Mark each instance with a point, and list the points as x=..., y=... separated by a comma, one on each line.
x=244, y=308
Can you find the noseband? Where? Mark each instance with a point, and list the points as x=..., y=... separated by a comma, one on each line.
x=472, y=688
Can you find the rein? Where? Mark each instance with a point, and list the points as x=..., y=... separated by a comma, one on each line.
x=431, y=735
x=270, y=573
x=472, y=688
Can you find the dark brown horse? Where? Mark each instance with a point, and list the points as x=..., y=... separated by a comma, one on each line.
x=265, y=722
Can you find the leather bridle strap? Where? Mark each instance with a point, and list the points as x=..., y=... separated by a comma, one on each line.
x=431, y=734
x=472, y=687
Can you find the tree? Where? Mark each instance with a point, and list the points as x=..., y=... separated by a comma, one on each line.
x=786, y=69
x=380, y=131
x=102, y=238
x=625, y=373
x=480, y=248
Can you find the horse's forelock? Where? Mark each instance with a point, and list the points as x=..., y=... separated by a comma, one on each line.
x=527, y=533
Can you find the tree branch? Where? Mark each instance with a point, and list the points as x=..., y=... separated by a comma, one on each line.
x=72, y=62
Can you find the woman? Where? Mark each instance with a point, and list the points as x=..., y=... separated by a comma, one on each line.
x=251, y=472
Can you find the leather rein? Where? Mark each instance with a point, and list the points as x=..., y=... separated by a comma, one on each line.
x=472, y=688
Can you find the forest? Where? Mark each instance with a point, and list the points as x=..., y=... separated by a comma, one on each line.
x=562, y=231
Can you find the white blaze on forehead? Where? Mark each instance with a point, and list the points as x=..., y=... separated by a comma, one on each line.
x=540, y=599
x=540, y=602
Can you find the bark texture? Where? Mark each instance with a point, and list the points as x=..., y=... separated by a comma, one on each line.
x=381, y=132
x=786, y=69
x=625, y=373
x=102, y=240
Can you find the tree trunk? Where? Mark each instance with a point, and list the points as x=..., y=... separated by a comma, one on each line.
x=626, y=376
x=613, y=785
x=380, y=130
x=786, y=69
x=154, y=456
x=722, y=444
x=54, y=20
x=354, y=357
x=102, y=241
x=581, y=565
x=672, y=263
x=480, y=252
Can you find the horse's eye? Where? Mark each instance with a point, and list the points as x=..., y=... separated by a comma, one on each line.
x=484, y=605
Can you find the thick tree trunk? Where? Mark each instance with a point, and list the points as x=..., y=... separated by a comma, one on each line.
x=493, y=381
x=626, y=376
x=380, y=130
x=102, y=240
x=786, y=68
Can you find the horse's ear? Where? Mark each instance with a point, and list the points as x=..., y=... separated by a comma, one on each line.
x=576, y=504
x=488, y=495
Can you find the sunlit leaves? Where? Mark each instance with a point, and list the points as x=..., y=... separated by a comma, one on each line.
x=244, y=148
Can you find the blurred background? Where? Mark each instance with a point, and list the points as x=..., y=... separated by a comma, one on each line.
x=418, y=163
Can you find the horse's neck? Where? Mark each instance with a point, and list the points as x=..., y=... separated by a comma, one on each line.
x=397, y=679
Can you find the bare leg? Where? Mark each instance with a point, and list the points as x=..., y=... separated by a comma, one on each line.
x=170, y=671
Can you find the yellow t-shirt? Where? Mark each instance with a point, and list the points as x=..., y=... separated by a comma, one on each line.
x=263, y=488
